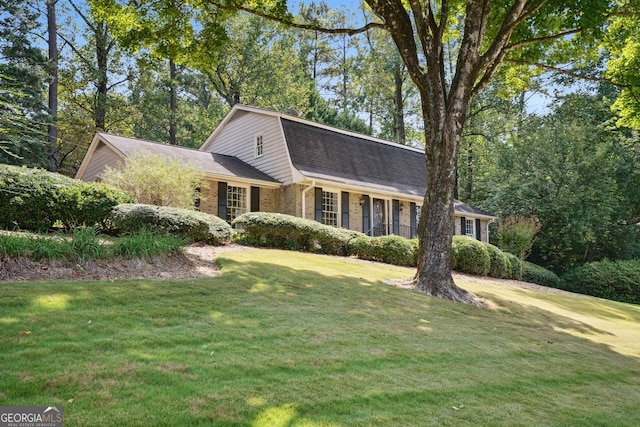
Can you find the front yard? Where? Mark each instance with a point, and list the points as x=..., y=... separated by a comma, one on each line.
x=292, y=339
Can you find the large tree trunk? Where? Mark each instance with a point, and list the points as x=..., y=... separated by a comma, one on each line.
x=436, y=225
x=52, y=131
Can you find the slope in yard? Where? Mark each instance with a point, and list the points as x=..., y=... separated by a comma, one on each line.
x=287, y=339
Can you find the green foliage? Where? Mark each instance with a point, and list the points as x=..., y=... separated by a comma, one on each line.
x=388, y=249
x=197, y=226
x=500, y=266
x=615, y=280
x=516, y=267
x=147, y=244
x=288, y=232
x=516, y=233
x=23, y=116
x=84, y=243
x=33, y=199
x=470, y=256
x=154, y=179
x=535, y=274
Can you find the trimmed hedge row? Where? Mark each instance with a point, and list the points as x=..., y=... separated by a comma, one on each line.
x=615, y=280
x=194, y=225
x=389, y=249
x=34, y=199
x=276, y=230
x=468, y=255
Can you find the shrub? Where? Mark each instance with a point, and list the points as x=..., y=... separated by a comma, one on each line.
x=389, y=249
x=88, y=203
x=615, y=280
x=34, y=199
x=197, y=226
x=470, y=256
x=85, y=244
x=499, y=265
x=288, y=232
x=539, y=275
x=157, y=180
x=515, y=266
x=516, y=233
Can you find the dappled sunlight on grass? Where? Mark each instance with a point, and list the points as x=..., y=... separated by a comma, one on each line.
x=292, y=339
x=601, y=321
x=56, y=301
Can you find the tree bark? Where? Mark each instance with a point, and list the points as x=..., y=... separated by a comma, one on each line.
x=102, y=54
x=398, y=116
x=52, y=130
x=173, y=103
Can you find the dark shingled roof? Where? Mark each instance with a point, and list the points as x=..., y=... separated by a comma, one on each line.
x=216, y=164
x=330, y=155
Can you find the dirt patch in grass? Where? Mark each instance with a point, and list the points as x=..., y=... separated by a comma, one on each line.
x=197, y=261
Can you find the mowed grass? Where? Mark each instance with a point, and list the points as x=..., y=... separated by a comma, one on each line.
x=290, y=339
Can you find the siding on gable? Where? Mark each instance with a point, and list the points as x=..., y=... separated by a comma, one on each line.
x=103, y=156
x=237, y=138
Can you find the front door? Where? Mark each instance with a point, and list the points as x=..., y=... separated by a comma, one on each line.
x=379, y=220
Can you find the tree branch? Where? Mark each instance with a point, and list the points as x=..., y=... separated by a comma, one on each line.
x=292, y=24
x=543, y=39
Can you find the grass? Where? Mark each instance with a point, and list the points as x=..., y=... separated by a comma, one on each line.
x=290, y=339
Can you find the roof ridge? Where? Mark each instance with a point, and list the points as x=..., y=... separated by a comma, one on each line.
x=133, y=138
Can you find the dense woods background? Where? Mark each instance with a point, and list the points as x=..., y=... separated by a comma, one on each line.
x=537, y=142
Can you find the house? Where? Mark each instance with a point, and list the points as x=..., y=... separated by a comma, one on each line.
x=260, y=160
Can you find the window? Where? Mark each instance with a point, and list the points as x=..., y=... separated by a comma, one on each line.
x=418, y=212
x=259, y=151
x=469, y=228
x=236, y=202
x=330, y=208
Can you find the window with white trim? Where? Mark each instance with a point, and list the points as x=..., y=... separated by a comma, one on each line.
x=236, y=202
x=259, y=146
x=330, y=208
x=469, y=228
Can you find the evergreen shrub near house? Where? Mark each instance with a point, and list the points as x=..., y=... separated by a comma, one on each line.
x=515, y=266
x=282, y=231
x=499, y=265
x=539, y=275
x=470, y=256
x=34, y=199
x=388, y=249
x=615, y=280
x=194, y=225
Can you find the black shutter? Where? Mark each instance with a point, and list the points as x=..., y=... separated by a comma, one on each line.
x=366, y=215
x=412, y=220
x=345, y=210
x=395, y=207
x=463, y=226
x=318, y=204
x=478, y=230
x=222, y=200
x=255, y=199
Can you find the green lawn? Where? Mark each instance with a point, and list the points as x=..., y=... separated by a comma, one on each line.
x=290, y=339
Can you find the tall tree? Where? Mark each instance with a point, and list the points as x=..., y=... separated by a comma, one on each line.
x=23, y=116
x=52, y=132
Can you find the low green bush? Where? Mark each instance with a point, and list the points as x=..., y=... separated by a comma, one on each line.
x=515, y=266
x=34, y=199
x=499, y=265
x=194, y=225
x=288, y=232
x=539, y=275
x=388, y=249
x=470, y=256
x=615, y=280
